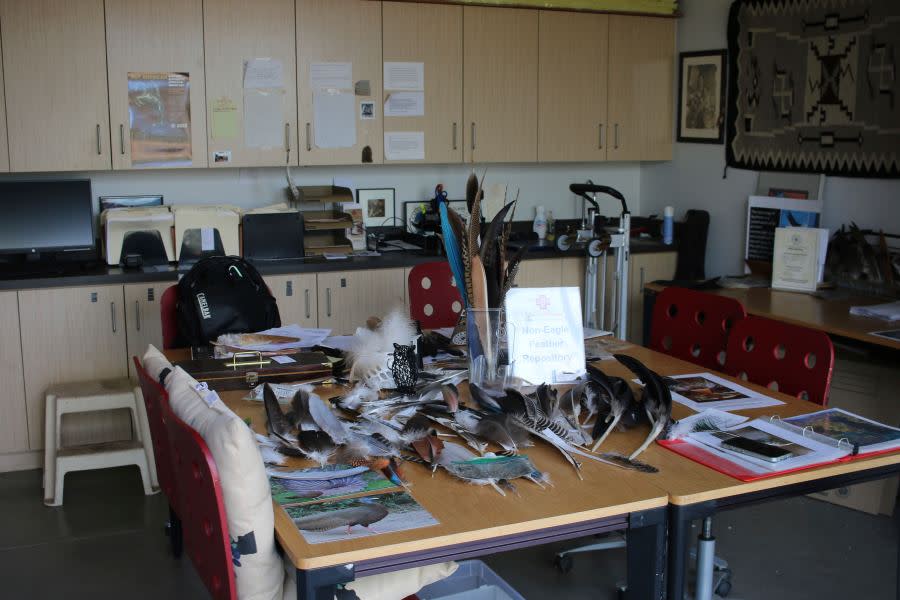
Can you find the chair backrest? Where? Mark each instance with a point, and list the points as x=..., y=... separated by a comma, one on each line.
x=169, y=317
x=693, y=326
x=797, y=360
x=204, y=525
x=434, y=300
x=156, y=401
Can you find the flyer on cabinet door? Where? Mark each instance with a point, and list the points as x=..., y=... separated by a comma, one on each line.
x=159, y=108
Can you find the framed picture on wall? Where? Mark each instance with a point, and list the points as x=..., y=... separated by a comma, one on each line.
x=701, y=96
x=377, y=206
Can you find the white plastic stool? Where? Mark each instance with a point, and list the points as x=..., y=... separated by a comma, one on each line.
x=92, y=396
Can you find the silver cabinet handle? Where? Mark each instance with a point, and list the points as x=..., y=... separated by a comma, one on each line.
x=99, y=148
x=308, y=142
x=287, y=137
x=121, y=139
x=600, y=138
x=306, y=294
x=454, y=135
x=642, y=280
x=137, y=314
x=473, y=135
x=616, y=137
x=112, y=314
x=327, y=302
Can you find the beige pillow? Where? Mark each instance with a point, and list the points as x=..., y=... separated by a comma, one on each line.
x=245, y=486
x=154, y=362
x=384, y=586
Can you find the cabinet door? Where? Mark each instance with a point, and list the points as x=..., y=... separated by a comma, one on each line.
x=644, y=269
x=430, y=34
x=159, y=37
x=4, y=140
x=572, y=87
x=340, y=31
x=143, y=319
x=500, y=79
x=572, y=273
x=243, y=122
x=544, y=272
x=296, y=297
x=13, y=416
x=69, y=335
x=348, y=298
x=641, y=75
x=54, y=66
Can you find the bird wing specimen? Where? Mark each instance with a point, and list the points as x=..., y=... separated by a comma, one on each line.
x=657, y=399
x=619, y=399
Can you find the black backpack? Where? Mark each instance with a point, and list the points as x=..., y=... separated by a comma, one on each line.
x=223, y=294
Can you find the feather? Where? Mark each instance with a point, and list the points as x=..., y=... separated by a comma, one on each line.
x=504, y=242
x=483, y=399
x=480, y=296
x=450, y=395
x=428, y=447
x=326, y=420
x=316, y=445
x=657, y=399
x=453, y=249
x=369, y=349
x=357, y=397
x=472, y=188
x=710, y=419
x=512, y=269
x=271, y=456
x=299, y=416
x=490, y=256
x=276, y=422
x=316, y=474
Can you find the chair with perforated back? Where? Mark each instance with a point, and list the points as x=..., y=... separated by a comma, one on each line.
x=791, y=359
x=204, y=524
x=693, y=326
x=169, y=317
x=434, y=299
x=156, y=401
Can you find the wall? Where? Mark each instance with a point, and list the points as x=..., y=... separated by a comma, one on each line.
x=247, y=188
x=693, y=179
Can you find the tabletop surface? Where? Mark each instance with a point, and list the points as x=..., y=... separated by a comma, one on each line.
x=828, y=315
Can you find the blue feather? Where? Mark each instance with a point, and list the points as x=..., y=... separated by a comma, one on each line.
x=454, y=253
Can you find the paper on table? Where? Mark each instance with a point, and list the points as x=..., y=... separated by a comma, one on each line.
x=404, y=145
x=333, y=256
x=308, y=337
x=263, y=73
x=283, y=360
x=263, y=119
x=699, y=391
x=889, y=311
x=224, y=119
x=405, y=104
x=891, y=334
x=338, y=342
x=334, y=119
x=331, y=76
x=404, y=76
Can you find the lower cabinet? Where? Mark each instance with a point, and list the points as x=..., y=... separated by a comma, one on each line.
x=73, y=334
x=296, y=297
x=13, y=416
x=645, y=268
x=540, y=272
x=143, y=319
x=348, y=298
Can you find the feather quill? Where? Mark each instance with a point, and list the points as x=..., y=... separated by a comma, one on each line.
x=453, y=250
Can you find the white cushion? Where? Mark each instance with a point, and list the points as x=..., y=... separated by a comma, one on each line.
x=384, y=586
x=245, y=486
x=154, y=362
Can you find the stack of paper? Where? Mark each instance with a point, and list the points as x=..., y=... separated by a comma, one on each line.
x=889, y=311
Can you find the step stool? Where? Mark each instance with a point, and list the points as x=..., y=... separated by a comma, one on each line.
x=93, y=396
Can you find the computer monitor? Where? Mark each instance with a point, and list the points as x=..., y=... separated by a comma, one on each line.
x=46, y=216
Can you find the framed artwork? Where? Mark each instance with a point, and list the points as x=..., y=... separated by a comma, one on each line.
x=701, y=97
x=377, y=206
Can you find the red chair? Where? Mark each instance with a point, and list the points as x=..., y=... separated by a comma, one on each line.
x=169, y=317
x=200, y=499
x=693, y=326
x=791, y=359
x=434, y=299
x=156, y=401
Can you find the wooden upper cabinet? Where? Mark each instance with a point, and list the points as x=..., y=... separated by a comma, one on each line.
x=339, y=31
x=572, y=87
x=252, y=124
x=4, y=147
x=54, y=66
x=641, y=72
x=500, y=82
x=158, y=37
x=429, y=34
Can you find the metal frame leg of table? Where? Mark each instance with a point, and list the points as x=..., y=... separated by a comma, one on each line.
x=321, y=584
x=680, y=518
x=646, y=554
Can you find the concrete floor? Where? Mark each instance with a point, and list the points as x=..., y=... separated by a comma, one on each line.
x=107, y=542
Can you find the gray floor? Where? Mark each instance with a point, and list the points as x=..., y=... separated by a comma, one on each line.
x=107, y=542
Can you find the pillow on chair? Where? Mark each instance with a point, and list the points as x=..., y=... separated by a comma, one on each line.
x=245, y=486
x=154, y=362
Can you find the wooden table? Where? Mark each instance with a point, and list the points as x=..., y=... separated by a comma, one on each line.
x=477, y=520
x=696, y=491
x=830, y=316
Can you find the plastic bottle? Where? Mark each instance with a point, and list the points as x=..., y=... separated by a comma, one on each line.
x=551, y=227
x=540, y=224
x=668, y=227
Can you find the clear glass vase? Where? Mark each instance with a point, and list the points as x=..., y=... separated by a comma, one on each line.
x=486, y=338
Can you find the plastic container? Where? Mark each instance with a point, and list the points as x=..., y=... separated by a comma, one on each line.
x=540, y=224
x=668, y=227
x=473, y=580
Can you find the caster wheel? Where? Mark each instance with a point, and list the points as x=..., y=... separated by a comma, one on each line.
x=620, y=592
x=595, y=248
x=564, y=243
x=724, y=588
x=563, y=563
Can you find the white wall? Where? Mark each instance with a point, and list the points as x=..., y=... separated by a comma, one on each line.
x=693, y=179
x=248, y=188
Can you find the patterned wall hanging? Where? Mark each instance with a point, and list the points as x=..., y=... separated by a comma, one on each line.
x=814, y=86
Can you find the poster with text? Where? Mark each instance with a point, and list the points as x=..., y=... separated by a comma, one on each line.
x=159, y=114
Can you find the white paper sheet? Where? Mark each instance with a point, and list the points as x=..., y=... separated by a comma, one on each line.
x=207, y=239
x=263, y=73
x=263, y=119
x=404, y=76
x=308, y=337
x=404, y=145
x=334, y=119
x=711, y=391
x=283, y=360
x=331, y=76
x=405, y=104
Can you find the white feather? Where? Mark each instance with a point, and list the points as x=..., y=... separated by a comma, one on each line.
x=358, y=395
x=326, y=420
x=271, y=456
x=369, y=349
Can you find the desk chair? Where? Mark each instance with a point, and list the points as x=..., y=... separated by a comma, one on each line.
x=434, y=300
x=169, y=317
x=694, y=326
x=156, y=400
x=788, y=358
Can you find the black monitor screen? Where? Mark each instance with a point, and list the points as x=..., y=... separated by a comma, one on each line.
x=40, y=216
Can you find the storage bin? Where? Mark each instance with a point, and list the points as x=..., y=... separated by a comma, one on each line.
x=473, y=580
